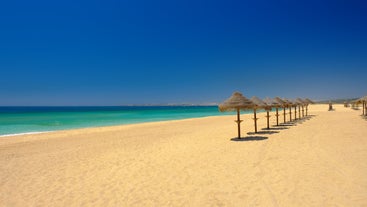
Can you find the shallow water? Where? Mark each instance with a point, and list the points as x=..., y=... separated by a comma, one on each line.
x=17, y=120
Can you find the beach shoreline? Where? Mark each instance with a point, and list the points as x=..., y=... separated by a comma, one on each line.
x=317, y=161
x=21, y=120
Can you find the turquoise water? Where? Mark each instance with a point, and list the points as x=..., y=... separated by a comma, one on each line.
x=18, y=120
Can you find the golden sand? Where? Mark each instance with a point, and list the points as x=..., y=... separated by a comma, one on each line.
x=320, y=161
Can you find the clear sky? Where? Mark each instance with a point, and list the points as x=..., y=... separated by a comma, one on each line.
x=92, y=52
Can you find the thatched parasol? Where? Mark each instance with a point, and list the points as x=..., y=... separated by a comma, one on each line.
x=283, y=104
x=270, y=104
x=365, y=105
x=257, y=104
x=236, y=102
x=289, y=105
x=346, y=104
x=300, y=103
x=293, y=104
x=307, y=102
x=363, y=101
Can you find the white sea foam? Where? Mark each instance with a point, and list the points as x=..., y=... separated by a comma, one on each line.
x=26, y=133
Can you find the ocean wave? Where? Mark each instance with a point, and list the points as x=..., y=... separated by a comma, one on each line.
x=26, y=133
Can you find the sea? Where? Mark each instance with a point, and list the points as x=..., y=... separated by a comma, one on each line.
x=28, y=120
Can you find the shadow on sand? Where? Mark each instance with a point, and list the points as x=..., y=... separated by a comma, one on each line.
x=249, y=138
x=306, y=118
x=300, y=121
x=263, y=132
x=287, y=124
x=275, y=127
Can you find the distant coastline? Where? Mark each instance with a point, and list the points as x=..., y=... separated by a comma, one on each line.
x=337, y=101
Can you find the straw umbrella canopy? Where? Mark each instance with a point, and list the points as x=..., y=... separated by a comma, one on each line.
x=345, y=104
x=307, y=102
x=363, y=101
x=365, y=105
x=289, y=105
x=360, y=100
x=295, y=104
x=283, y=104
x=355, y=103
x=257, y=104
x=270, y=102
x=236, y=103
x=300, y=103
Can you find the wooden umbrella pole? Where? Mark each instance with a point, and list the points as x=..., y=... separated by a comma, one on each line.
x=299, y=112
x=284, y=114
x=290, y=113
x=363, y=106
x=238, y=123
x=295, y=112
x=277, y=115
x=267, y=117
x=255, y=120
x=303, y=115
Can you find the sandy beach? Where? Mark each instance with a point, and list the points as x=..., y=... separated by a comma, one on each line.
x=319, y=161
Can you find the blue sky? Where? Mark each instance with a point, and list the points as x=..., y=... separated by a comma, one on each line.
x=159, y=52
